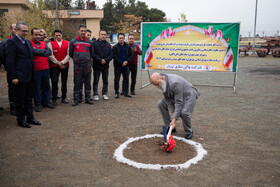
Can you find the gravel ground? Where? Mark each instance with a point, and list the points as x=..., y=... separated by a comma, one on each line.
x=75, y=145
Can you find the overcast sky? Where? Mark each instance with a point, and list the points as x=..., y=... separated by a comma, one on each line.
x=243, y=11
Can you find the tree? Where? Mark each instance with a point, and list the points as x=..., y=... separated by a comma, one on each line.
x=119, y=10
x=130, y=24
x=142, y=10
x=80, y=4
x=107, y=23
x=34, y=17
x=62, y=4
x=156, y=15
x=183, y=18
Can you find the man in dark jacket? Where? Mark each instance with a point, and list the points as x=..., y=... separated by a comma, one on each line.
x=81, y=51
x=122, y=55
x=101, y=58
x=11, y=87
x=20, y=62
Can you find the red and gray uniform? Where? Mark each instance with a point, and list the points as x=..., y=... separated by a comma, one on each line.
x=81, y=52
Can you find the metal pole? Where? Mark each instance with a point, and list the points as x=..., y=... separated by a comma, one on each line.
x=255, y=27
x=57, y=25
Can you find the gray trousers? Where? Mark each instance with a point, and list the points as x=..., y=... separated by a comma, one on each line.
x=185, y=115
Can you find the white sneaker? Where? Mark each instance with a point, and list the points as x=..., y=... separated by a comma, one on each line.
x=95, y=97
x=105, y=97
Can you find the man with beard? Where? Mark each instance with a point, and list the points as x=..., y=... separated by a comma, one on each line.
x=81, y=51
x=179, y=97
x=101, y=59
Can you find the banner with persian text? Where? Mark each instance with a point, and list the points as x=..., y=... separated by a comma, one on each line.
x=190, y=46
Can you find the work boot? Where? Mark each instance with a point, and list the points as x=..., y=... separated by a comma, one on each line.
x=38, y=107
x=75, y=103
x=189, y=136
x=89, y=101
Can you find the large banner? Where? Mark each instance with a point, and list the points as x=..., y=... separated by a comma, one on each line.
x=190, y=46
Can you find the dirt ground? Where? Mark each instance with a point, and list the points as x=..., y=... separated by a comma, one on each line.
x=75, y=145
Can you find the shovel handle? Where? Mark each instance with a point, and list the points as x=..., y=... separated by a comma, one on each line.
x=169, y=132
x=164, y=129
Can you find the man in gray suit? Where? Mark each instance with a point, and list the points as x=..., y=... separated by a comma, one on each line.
x=179, y=97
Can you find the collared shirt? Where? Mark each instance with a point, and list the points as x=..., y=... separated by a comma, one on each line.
x=22, y=40
x=123, y=55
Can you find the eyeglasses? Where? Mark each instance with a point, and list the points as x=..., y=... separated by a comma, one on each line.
x=25, y=31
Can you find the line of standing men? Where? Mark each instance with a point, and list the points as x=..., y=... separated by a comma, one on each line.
x=28, y=65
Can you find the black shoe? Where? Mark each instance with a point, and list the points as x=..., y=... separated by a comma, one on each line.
x=34, y=122
x=24, y=124
x=173, y=130
x=65, y=101
x=122, y=93
x=75, y=103
x=117, y=96
x=127, y=95
x=189, y=136
x=132, y=93
x=80, y=99
x=89, y=101
x=38, y=108
x=48, y=105
x=54, y=103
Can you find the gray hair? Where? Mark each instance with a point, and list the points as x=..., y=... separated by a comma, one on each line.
x=20, y=23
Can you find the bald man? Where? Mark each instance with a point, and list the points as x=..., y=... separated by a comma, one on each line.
x=179, y=97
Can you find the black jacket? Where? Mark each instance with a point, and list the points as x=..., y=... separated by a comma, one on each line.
x=100, y=53
x=116, y=55
x=3, y=54
x=20, y=59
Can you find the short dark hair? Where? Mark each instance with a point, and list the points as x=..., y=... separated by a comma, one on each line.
x=88, y=30
x=131, y=35
x=20, y=23
x=57, y=30
x=32, y=30
x=82, y=26
x=102, y=30
x=121, y=34
x=11, y=26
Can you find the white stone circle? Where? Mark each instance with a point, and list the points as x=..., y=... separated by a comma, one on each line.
x=118, y=155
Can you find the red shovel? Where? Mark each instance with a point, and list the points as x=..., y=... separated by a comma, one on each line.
x=169, y=142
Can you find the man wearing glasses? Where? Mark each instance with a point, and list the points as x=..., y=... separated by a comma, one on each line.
x=20, y=62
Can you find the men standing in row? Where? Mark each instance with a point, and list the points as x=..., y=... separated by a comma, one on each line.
x=11, y=87
x=122, y=55
x=42, y=72
x=60, y=64
x=132, y=67
x=81, y=51
x=101, y=58
x=20, y=62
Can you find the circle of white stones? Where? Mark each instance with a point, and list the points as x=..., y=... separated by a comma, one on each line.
x=118, y=155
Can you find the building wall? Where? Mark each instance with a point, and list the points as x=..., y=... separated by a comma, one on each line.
x=12, y=8
x=94, y=26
